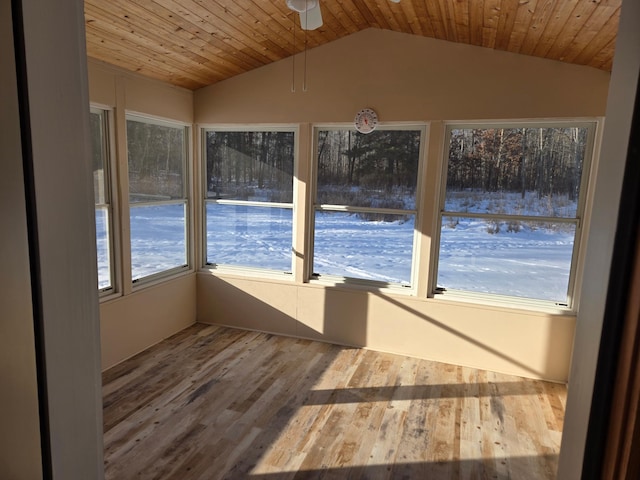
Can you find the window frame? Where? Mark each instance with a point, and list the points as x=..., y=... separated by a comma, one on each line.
x=313, y=207
x=581, y=219
x=243, y=270
x=187, y=181
x=111, y=205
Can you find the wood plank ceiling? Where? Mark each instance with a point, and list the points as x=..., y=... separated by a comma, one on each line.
x=194, y=43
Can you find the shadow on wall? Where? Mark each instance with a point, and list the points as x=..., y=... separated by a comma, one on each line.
x=352, y=317
x=330, y=315
x=466, y=339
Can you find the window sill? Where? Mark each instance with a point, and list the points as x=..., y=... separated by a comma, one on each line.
x=161, y=277
x=108, y=295
x=363, y=285
x=246, y=273
x=503, y=302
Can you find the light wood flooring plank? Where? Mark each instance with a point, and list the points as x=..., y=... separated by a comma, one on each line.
x=219, y=403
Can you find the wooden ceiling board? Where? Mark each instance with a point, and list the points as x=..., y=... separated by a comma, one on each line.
x=511, y=39
x=460, y=21
x=153, y=46
x=492, y=9
x=415, y=16
x=601, y=26
x=561, y=13
x=540, y=17
x=476, y=17
x=582, y=11
x=506, y=22
x=194, y=43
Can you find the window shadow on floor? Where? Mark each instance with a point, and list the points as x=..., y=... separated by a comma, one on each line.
x=516, y=468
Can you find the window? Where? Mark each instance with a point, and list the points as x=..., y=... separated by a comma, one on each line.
x=101, y=188
x=157, y=154
x=511, y=209
x=365, y=204
x=249, y=198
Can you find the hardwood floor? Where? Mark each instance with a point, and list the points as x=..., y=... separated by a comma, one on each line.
x=214, y=402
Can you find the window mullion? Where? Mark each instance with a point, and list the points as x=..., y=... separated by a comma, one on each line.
x=502, y=216
x=251, y=203
x=351, y=209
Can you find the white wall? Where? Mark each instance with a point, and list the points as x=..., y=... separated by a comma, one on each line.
x=66, y=315
x=624, y=82
x=405, y=78
x=20, y=433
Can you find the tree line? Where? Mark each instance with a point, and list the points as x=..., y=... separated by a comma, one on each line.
x=156, y=156
x=548, y=161
x=237, y=163
x=383, y=160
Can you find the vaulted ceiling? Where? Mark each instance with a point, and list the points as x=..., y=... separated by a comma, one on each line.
x=194, y=43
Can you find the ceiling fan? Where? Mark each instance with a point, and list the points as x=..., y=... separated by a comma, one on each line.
x=309, y=11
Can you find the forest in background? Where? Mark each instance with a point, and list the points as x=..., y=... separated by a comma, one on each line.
x=157, y=156
x=376, y=170
x=538, y=164
x=504, y=171
x=250, y=165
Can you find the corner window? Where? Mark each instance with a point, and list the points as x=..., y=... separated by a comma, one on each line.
x=102, y=194
x=249, y=198
x=511, y=209
x=157, y=153
x=365, y=205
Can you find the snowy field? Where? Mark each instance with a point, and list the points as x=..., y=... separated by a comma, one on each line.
x=532, y=262
x=157, y=241
x=255, y=237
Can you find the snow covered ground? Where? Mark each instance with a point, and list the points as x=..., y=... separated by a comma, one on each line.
x=533, y=262
x=347, y=246
x=158, y=236
x=256, y=237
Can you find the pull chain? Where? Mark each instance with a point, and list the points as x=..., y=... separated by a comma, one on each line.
x=306, y=21
x=293, y=59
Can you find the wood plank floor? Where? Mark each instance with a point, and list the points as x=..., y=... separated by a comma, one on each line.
x=214, y=402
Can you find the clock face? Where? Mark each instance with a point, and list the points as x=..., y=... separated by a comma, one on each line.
x=366, y=120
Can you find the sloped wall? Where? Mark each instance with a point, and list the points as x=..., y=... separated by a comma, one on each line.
x=405, y=78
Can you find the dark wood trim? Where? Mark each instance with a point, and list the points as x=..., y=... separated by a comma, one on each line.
x=624, y=424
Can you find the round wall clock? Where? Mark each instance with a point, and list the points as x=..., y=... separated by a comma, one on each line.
x=366, y=120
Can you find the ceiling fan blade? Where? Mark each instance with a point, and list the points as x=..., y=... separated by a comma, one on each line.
x=311, y=18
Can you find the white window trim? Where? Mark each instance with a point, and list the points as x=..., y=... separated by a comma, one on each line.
x=239, y=270
x=112, y=207
x=585, y=200
x=181, y=270
x=358, y=283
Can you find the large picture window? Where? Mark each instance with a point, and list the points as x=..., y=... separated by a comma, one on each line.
x=157, y=154
x=102, y=193
x=365, y=204
x=511, y=209
x=249, y=198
